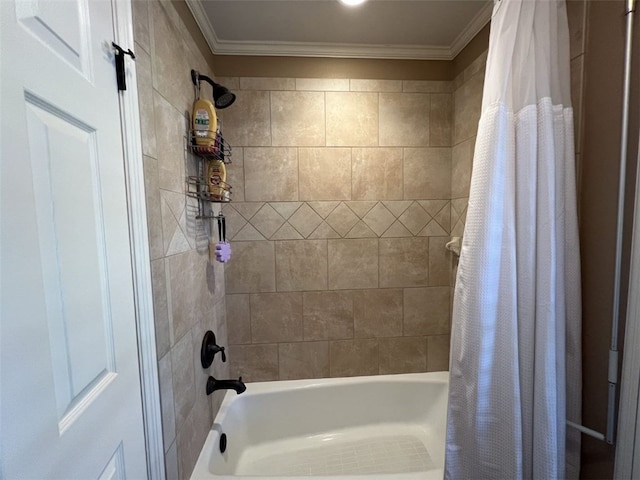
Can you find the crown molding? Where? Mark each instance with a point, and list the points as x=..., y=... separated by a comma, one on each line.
x=304, y=49
x=200, y=16
x=473, y=28
x=308, y=49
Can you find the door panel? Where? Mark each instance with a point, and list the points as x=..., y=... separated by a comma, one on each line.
x=60, y=26
x=70, y=217
x=70, y=397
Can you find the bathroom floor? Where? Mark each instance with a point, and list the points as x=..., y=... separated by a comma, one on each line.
x=340, y=455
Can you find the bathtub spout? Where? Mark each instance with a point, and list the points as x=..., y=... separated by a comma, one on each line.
x=213, y=385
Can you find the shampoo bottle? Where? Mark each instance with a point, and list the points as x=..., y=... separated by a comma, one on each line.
x=204, y=123
x=216, y=179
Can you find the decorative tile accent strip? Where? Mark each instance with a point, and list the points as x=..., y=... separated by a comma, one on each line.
x=248, y=221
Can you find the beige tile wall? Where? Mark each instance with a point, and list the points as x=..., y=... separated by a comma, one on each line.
x=467, y=103
x=342, y=206
x=188, y=291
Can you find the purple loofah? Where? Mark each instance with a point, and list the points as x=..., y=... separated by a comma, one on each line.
x=223, y=252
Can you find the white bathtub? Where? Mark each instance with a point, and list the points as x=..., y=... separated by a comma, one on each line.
x=380, y=427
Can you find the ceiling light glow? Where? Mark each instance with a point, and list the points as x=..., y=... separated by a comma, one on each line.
x=352, y=3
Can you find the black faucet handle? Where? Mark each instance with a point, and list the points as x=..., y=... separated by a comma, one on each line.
x=209, y=350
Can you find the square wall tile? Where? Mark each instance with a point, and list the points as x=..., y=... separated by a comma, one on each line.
x=170, y=60
x=184, y=388
x=350, y=358
x=188, y=446
x=404, y=119
x=426, y=311
x=305, y=220
x=171, y=127
x=342, y=219
x=365, y=85
x=189, y=297
x=171, y=457
x=428, y=86
x=276, y=317
x=163, y=328
x=477, y=66
x=238, y=319
x=376, y=174
x=252, y=268
x=403, y=355
x=235, y=175
x=232, y=83
x=415, y=218
x=327, y=315
x=352, y=119
x=270, y=174
x=457, y=81
x=427, y=173
x=404, y=262
x=267, y=83
x=248, y=122
x=377, y=313
x=145, y=101
x=154, y=211
x=140, y=14
x=303, y=360
x=174, y=228
x=461, y=167
x=267, y=221
x=325, y=173
x=254, y=363
x=201, y=411
x=323, y=84
x=441, y=120
x=298, y=119
x=467, y=106
x=301, y=265
x=438, y=353
x=167, y=406
x=353, y=263
x=379, y=219
x=439, y=262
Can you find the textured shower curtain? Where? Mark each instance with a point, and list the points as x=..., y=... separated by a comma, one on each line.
x=515, y=375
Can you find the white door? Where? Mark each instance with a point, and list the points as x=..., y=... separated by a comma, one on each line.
x=70, y=387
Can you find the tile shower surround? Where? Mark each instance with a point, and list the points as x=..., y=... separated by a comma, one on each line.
x=335, y=333
x=188, y=292
x=345, y=193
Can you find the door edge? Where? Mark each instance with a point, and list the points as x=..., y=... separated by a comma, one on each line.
x=139, y=241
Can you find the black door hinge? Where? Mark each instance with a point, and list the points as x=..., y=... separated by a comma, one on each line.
x=120, y=72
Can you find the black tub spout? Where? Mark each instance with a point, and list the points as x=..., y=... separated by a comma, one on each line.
x=237, y=385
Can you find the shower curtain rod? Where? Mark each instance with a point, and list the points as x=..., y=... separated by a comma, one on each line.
x=624, y=140
x=612, y=376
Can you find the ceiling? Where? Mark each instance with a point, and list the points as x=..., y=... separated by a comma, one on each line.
x=409, y=29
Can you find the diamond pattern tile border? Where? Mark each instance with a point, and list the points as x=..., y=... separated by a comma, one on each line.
x=299, y=220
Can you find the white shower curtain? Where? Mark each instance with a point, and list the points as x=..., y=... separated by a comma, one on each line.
x=515, y=375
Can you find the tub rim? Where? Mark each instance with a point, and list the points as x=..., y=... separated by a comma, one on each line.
x=201, y=468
